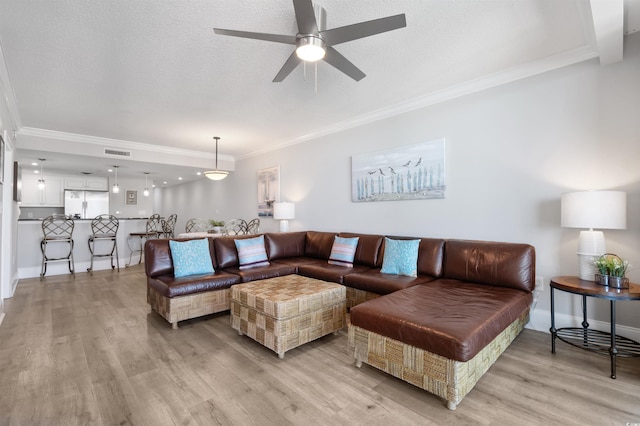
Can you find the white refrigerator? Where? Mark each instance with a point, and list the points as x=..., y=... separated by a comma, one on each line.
x=86, y=204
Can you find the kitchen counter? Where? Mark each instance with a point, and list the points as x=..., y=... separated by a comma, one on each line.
x=82, y=220
x=30, y=256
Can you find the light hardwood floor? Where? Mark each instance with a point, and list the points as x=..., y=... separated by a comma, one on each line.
x=87, y=350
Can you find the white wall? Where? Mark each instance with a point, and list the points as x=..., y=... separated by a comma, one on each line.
x=117, y=202
x=511, y=152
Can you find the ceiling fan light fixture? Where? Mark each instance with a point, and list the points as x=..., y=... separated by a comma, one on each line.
x=310, y=48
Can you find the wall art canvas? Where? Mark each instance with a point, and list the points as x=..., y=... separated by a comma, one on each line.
x=413, y=172
x=268, y=190
x=131, y=198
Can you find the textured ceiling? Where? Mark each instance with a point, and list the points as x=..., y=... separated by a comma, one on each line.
x=153, y=72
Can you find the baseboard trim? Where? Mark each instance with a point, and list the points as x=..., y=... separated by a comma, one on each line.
x=540, y=320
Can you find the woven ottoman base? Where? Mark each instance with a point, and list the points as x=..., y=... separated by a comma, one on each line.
x=446, y=378
x=285, y=312
x=181, y=308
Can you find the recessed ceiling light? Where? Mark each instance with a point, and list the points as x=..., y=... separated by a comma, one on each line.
x=179, y=178
x=198, y=173
x=165, y=182
x=110, y=170
x=36, y=171
x=34, y=164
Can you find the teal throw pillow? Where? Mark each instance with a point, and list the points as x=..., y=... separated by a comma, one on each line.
x=343, y=251
x=251, y=252
x=191, y=257
x=400, y=257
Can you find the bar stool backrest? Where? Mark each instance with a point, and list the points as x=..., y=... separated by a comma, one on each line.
x=235, y=227
x=154, y=226
x=169, y=225
x=105, y=226
x=58, y=227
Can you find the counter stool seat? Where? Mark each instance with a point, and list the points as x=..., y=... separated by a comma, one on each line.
x=153, y=230
x=57, y=228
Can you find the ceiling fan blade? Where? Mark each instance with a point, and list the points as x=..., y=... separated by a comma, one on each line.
x=288, y=66
x=334, y=58
x=363, y=29
x=286, y=39
x=305, y=17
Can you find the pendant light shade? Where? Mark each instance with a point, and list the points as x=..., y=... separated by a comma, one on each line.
x=216, y=174
x=146, y=184
x=116, y=188
x=41, y=183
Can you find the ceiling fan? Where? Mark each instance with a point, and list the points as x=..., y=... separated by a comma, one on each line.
x=313, y=42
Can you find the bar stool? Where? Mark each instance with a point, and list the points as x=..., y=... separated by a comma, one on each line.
x=153, y=230
x=57, y=228
x=104, y=228
x=169, y=225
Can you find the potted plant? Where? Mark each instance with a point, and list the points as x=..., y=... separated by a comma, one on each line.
x=611, y=270
x=217, y=225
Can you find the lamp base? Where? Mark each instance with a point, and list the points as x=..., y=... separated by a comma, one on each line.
x=590, y=244
x=284, y=225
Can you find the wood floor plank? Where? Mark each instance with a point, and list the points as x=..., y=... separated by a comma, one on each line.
x=87, y=350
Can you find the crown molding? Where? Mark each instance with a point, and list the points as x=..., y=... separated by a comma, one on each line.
x=118, y=143
x=7, y=91
x=551, y=63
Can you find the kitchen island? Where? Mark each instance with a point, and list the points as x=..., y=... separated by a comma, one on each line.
x=30, y=256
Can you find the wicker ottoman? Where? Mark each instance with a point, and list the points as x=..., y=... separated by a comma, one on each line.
x=285, y=312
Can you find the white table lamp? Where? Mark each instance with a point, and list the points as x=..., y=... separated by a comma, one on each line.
x=284, y=212
x=593, y=210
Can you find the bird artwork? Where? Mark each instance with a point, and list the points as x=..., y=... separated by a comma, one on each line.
x=393, y=172
x=407, y=164
x=419, y=162
x=372, y=172
x=380, y=170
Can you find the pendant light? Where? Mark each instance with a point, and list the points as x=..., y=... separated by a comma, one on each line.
x=41, y=180
x=216, y=174
x=116, y=188
x=146, y=184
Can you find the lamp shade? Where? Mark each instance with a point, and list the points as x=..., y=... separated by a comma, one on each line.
x=594, y=210
x=284, y=211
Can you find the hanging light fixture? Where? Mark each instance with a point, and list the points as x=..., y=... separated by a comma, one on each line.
x=116, y=188
x=216, y=174
x=41, y=180
x=146, y=184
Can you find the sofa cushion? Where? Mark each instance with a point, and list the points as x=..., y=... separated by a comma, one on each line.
x=285, y=244
x=451, y=318
x=226, y=251
x=369, y=247
x=318, y=244
x=373, y=281
x=251, y=252
x=274, y=269
x=430, y=255
x=343, y=251
x=190, y=257
x=322, y=271
x=494, y=263
x=169, y=286
x=400, y=257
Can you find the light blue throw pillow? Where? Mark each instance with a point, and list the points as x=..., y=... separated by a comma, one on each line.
x=400, y=257
x=191, y=257
x=251, y=252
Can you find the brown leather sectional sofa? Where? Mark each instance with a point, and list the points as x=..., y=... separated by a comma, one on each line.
x=440, y=330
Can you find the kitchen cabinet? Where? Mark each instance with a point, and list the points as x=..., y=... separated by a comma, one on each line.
x=51, y=196
x=86, y=183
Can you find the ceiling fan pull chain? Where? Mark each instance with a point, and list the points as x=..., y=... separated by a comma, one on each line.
x=304, y=70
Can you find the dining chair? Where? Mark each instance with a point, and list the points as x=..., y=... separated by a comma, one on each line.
x=104, y=227
x=253, y=227
x=235, y=227
x=57, y=228
x=197, y=224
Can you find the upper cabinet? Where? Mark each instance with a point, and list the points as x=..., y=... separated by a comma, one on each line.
x=51, y=196
x=86, y=183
